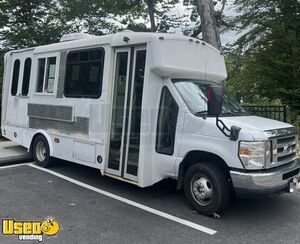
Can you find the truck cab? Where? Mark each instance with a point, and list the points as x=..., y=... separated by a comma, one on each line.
x=253, y=156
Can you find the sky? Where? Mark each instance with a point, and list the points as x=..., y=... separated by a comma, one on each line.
x=226, y=38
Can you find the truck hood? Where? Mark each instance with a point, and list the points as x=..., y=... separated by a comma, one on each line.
x=254, y=123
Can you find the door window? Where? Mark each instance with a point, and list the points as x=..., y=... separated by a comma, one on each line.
x=136, y=112
x=166, y=125
x=118, y=110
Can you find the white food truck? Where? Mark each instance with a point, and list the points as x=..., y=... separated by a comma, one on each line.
x=142, y=107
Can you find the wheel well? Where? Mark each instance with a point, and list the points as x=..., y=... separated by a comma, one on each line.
x=33, y=139
x=194, y=157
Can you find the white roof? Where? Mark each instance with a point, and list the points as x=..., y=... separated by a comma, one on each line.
x=75, y=40
x=171, y=55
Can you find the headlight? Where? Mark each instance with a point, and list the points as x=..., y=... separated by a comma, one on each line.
x=253, y=154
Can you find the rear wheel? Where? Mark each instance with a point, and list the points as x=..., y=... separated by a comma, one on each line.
x=41, y=152
x=206, y=187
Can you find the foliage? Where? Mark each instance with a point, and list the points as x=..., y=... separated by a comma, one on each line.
x=168, y=18
x=160, y=14
x=29, y=23
x=102, y=17
x=1, y=71
x=263, y=101
x=2, y=52
x=91, y=16
x=265, y=60
x=194, y=28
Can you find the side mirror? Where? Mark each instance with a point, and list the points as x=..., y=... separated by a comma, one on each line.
x=214, y=100
x=234, y=133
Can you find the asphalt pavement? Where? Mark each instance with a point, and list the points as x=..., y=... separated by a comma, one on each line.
x=11, y=153
x=86, y=206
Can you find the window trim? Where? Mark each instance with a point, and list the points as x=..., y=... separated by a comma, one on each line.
x=157, y=123
x=103, y=70
x=36, y=61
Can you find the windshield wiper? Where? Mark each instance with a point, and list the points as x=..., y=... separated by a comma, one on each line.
x=240, y=112
x=203, y=112
x=228, y=113
x=235, y=113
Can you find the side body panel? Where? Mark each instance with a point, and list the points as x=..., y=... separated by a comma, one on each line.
x=79, y=124
x=78, y=129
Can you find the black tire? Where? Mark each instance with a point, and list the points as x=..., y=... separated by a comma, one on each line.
x=206, y=188
x=41, y=152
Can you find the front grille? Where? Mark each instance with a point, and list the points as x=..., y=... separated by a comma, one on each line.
x=284, y=150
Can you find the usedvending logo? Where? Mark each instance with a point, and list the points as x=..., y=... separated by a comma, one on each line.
x=30, y=230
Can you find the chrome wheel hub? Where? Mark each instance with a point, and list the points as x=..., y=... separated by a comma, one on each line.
x=41, y=151
x=202, y=190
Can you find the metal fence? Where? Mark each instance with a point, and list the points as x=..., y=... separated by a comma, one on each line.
x=271, y=112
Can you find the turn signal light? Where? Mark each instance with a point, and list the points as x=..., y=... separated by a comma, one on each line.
x=245, y=152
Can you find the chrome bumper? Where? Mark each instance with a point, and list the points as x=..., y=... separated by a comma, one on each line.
x=271, y=181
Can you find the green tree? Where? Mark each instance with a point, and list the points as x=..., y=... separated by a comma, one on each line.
x=108, y=16
x=94, y=16
x=265, y=60
x=1, y=71
x=157, y=13
x=29, y=23
x=207, y=20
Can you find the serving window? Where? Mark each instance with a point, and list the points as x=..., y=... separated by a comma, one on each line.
x=46, y=75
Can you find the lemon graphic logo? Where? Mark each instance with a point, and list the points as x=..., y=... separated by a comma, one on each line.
x=50, y=227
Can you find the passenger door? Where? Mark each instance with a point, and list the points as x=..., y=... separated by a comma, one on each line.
x=19, y=89
x=127, y=94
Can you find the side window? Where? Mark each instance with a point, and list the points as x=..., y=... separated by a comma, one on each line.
x=15, y=78
x=166, y=124
x=46, y=75
x=84, y=73
x=26, y=77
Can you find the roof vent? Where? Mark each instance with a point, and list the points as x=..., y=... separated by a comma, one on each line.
x=75, y=36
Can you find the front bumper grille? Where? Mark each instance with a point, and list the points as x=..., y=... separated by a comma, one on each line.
x=284, y=150
x=283, y=147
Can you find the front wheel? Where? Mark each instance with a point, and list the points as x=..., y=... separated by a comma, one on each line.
x=41, y=152
x=206, y=187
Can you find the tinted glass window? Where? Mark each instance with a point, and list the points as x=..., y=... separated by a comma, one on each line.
x=15, y=78
x=167, y=121
x=136, y=113
x=26, y=76
x=41, y=74
x=84, y=73
x=118, y=110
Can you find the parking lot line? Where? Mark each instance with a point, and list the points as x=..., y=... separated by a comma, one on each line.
x=124, y=200
x=14, y=165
